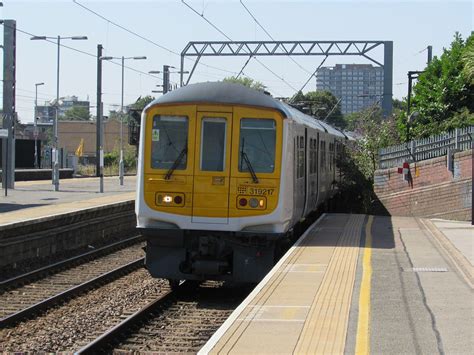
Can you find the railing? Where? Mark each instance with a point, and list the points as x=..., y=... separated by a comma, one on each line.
x=426, y=148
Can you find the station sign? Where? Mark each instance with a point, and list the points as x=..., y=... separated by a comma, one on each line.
x=3, y=133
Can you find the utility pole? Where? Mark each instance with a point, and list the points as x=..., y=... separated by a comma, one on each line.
x=166, y=78
x=9, y=83
x=121, y=162
x=35, y=118
x=430, y=54
x=411, y=75
x=99, y=141
x=55, y=154
x=98, y=109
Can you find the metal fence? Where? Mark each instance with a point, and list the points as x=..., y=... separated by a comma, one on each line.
x=426, y=148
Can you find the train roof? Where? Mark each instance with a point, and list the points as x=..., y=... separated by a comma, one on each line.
x=237, y=94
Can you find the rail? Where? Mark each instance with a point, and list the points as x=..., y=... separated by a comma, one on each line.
x=103, y=342
x=71, y=292
x=426, y=148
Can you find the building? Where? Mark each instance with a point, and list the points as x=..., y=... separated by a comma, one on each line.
x=47, y=112
x=357, y=85
x=70, y=134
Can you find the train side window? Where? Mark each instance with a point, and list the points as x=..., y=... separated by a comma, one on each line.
x=312, y=156
x=213, y=144
x=300, y=170
x=323, y=156
x=169, y=139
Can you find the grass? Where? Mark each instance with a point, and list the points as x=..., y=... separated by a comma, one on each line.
x=110, y=170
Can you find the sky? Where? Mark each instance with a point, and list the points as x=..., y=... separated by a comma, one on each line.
x=411, y=25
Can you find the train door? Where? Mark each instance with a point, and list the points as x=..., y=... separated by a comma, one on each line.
x=212, y=168
x=306, y=172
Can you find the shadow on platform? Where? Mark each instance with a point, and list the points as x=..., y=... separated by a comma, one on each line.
x=9, y=207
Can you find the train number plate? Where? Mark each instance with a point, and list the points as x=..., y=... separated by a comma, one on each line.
x=260, y=191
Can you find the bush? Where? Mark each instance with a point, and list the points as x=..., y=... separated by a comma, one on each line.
x=111, y=158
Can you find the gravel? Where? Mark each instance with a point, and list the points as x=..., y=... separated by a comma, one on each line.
x=74, y=324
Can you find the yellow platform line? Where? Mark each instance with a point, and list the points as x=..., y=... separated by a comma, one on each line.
x=363, y=330
x=325, y=329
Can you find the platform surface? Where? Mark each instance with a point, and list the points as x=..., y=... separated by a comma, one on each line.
x=361, y=284
x=37, y=199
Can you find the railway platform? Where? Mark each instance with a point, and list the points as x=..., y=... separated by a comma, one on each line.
x=38, y=223
x=37, y=199
x=361, y=284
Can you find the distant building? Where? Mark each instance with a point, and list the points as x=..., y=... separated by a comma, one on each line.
x=357, y=85
x=47, y=112
x=70, y=134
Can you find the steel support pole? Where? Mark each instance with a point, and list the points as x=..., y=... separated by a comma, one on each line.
x=35, y=132
x=55, y=127
x=121, y=165
x=99, y=132
x=9, y=83
x=98, y=110
x=181, y=72
x=166, y=78
x=387, y=78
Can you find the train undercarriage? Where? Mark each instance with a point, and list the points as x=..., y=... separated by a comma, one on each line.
x=209, y=255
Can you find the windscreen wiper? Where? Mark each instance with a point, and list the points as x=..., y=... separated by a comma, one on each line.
x=249, y=165
x=177, y=162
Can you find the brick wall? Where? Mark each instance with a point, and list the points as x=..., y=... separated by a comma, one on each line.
x=433, y=191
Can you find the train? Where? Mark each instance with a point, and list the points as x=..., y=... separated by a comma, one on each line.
x=225, y=175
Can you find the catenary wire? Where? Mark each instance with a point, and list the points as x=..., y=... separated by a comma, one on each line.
x=145, y=38
x=86, y=53
x=271, y=37
x=230, y=39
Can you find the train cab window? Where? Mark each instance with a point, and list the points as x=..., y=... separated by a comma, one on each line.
x=257, y=143
x=213, y=144
x=169, y=138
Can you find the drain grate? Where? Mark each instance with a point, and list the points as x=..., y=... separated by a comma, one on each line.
x=427, y=269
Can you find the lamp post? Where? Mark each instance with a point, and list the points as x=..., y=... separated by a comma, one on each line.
x=121, y=164
x=35, y=132
x=55, y=154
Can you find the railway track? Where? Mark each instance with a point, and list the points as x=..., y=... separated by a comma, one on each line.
x=179, y=321
x=24, y=296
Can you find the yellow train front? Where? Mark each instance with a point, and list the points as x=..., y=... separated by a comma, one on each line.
x=213, y=198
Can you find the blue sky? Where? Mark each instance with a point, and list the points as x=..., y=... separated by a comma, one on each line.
x=411, y=25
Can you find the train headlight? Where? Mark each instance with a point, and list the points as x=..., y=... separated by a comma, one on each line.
x=170, y=199
x=261, y=203
x=254, y=203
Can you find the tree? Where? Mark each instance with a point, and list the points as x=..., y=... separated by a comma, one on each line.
x=399, y=105
x=375, y=132
x=142, y=102
x=323, y=105
x=468, y=60
x=76, y=113
x=253, y=84
x=443, y=95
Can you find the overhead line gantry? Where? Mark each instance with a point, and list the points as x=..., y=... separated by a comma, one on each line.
x=250, y=49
